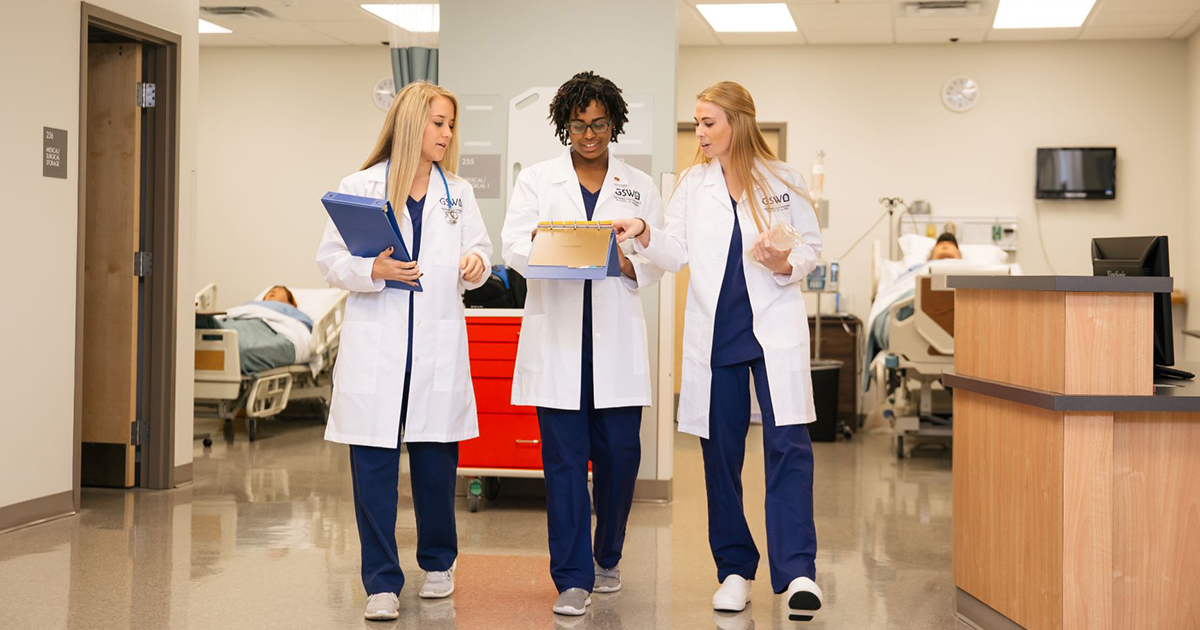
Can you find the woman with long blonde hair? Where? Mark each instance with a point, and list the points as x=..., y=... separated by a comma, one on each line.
x=745, y=321
x=402, y=372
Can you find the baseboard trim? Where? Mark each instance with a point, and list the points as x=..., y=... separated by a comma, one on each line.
x=979, y=615
x=653, y=490
x=35, y=511
x=183, y=475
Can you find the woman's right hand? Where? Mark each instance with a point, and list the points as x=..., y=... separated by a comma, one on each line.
x=388, y=268
x=632, y=228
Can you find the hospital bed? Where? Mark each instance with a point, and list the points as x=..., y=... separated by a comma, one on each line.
x=911, y=341
x=223, y=391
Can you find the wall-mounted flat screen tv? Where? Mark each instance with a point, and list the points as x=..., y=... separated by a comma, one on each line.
x=1077, y=173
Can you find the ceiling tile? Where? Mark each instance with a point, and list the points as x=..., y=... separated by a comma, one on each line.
x=1149, y=5
x=938, y=23
x=1031, y=34
x=1139, y=18
x=285, y=34
x=850, y=37
x=353, y=33
x=1127, y=32
x=940, y=36
x=761, y=39
x=229, y=39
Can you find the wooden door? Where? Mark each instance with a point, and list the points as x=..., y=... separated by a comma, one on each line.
x=685, y=152
x=112, y=216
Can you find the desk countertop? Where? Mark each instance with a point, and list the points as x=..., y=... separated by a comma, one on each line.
x=1169, y=395
x=1084, y=284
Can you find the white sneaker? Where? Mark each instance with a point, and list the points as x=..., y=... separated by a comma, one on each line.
x=733, y=595
x=572, y=602
x=382, y=607
x=803, y=599
x=438, y=584
x=607, y=580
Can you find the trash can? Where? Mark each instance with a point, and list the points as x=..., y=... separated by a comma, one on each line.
x=825, y=397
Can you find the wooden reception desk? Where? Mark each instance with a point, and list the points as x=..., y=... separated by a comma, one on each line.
x=1076, y=477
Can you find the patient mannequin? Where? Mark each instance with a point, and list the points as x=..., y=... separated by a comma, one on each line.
x=946, y=247
x=280, y=293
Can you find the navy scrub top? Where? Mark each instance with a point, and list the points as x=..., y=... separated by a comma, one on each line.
x=733, y=324
x=589, y=206
x=415, y=208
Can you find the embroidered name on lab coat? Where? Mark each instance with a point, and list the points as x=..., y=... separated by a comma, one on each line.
x=627, y=195
x=777, y=203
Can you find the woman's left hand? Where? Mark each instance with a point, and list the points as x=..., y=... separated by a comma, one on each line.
x=774, y=259
x=472, y=268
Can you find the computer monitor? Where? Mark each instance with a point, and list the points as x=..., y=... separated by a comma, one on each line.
x=1141, y=256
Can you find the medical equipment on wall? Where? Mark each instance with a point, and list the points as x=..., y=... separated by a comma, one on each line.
x=998, y=231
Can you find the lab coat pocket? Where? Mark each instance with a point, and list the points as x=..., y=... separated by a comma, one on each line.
x=640, y=357
x=787, y=335
x=450, y=371
x=357, y=367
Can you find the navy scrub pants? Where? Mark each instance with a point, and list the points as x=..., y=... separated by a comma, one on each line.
x=376, y=474
x=611, y=439
x=788, y=459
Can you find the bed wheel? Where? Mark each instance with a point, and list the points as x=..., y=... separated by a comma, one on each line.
x=899, y=447
x=491, y=488
x=207, y=442
x=252, y=429
x=474, y=490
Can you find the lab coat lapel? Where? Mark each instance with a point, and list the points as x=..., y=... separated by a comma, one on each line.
x=567, y=181
x=714, y=181
x=606, y=188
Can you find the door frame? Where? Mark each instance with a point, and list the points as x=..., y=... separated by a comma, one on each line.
x=160, y=189
x=781, y=127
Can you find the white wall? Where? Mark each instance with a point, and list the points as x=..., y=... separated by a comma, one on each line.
x=41, y=86
x=877, y=111
x=279, y=127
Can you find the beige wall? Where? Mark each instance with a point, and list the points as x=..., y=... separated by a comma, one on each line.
x=1188, y=275
x=877, y=111
x=41, y=87
x=279, y=127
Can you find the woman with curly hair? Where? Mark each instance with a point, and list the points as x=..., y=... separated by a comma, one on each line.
x=582, y=357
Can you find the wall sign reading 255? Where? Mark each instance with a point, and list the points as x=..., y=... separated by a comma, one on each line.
x=960, y=94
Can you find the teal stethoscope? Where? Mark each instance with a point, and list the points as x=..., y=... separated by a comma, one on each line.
x=451, y=213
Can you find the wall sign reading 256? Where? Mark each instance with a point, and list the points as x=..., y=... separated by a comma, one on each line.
x=960, y=94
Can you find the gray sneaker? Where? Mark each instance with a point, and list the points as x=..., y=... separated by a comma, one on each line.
x=573, y=602
x=438, y=584
x=607, y=580
x=382, y=607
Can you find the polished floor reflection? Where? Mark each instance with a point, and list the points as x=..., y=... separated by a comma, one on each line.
x=265, y=538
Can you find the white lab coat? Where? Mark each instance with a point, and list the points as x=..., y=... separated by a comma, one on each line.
x=549, y=355
x=368, y=380
x=697, y=230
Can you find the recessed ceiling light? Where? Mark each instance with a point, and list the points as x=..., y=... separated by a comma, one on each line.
x=212, y=29
x=748, y=18
x=1042, y=13
x=414, y=18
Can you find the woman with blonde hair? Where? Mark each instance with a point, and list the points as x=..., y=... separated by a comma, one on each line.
x=402, y=372
x=745, y=323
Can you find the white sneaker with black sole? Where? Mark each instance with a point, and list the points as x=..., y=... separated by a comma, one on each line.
x=803, y=599
x=733, y=595
x=382, y=607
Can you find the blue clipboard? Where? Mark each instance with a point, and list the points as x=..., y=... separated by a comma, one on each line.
x=368, y=226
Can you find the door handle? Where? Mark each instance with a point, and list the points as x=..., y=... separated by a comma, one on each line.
x=528, y=442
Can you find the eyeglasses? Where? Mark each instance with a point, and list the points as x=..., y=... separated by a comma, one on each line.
x=578, y=127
